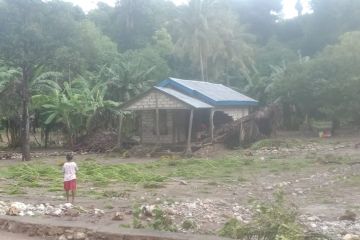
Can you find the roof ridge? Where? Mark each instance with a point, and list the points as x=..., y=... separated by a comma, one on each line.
x=197, y=81
x=211, y=93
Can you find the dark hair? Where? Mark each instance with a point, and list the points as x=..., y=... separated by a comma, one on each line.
x=69, y=156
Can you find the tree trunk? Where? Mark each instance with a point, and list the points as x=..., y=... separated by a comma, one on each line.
x=25, y=119
x=119, y=140
x=47, y=131
x=7, y=132
x=206, y=68
x=202, y=65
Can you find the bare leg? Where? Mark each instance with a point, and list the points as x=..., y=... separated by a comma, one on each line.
x=73, y=196
x=67, y=196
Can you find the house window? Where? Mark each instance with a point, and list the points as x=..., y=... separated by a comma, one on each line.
x=163, y=123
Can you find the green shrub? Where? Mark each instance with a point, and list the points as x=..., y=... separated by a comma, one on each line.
x=162, y=222
x=158, y=220
x=272, y=221
x=188, y=224
x=137, y=223
x=274, y=143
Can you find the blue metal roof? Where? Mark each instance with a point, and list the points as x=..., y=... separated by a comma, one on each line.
x=211, y=93
x=184, y=98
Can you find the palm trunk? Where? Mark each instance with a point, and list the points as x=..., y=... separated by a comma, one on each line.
x=7, y=132
x=25, y=120
x=119, y=140
x=206, y=69
x=202, y=65
x=47, y=131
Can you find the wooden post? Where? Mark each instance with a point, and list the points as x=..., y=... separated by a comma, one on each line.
x=251, y=130
x=157, y=125
x=240, y=142
x=173, y=126
x=242, y=133
x=141, y=126
x=211, y=126
x=119, y=142
x=188, y=146
x=157, y=118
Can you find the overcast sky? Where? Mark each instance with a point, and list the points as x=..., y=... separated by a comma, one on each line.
x=289, y=5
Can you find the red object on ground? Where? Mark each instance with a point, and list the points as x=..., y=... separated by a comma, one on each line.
x=70, y=185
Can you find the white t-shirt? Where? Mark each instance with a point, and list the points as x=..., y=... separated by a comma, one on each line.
x=69, y=170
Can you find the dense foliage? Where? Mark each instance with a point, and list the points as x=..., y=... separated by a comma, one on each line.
x=60, y=67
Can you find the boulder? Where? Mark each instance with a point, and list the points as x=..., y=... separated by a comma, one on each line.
x=62, y=237
x=348, y=215
x=72, y=212
x=119, y=216
x=19, y=205
x=79, y=236
x=13, y=211
x=55, y=231
x=351, y=237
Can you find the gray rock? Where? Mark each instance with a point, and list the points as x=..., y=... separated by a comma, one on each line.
x=62, y=237
x=351, y=237
x=119, y=216
x=348, y=215
x=79, y=236
x=182, y=182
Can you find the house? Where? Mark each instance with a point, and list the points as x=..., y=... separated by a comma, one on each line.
x=177, y=111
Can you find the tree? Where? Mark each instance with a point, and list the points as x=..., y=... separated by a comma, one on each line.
x=339, y=93
x=103, y=17
x=209, y=33
x=311, y=33
x=233, y=51
x=195, y=33
x=86, y=51
x=10, y=103
x=269, y=61
x=260, y=15
x=132, y=23
x=325, y=87
x=128, y=76
x=31, y=31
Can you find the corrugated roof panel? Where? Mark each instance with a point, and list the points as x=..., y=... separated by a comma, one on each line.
x=215, y=94
x=196, y=103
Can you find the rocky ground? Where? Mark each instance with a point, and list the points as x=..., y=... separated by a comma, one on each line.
x=320, y=177
x=12, y=236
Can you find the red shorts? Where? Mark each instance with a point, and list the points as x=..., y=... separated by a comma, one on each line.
x=70, y=185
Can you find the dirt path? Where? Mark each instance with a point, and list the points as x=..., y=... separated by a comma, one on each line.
x=13, y=236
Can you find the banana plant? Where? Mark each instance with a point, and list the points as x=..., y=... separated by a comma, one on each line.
x=71, y=105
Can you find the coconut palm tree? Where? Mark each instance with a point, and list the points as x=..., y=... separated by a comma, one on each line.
x=211, y=37
x=127, y=77
x=196, y=33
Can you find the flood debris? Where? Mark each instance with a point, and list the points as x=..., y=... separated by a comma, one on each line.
x=23, y=209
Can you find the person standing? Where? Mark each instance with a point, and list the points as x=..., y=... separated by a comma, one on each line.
x=70, y=169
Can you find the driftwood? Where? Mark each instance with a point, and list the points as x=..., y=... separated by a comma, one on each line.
x=248, y=129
